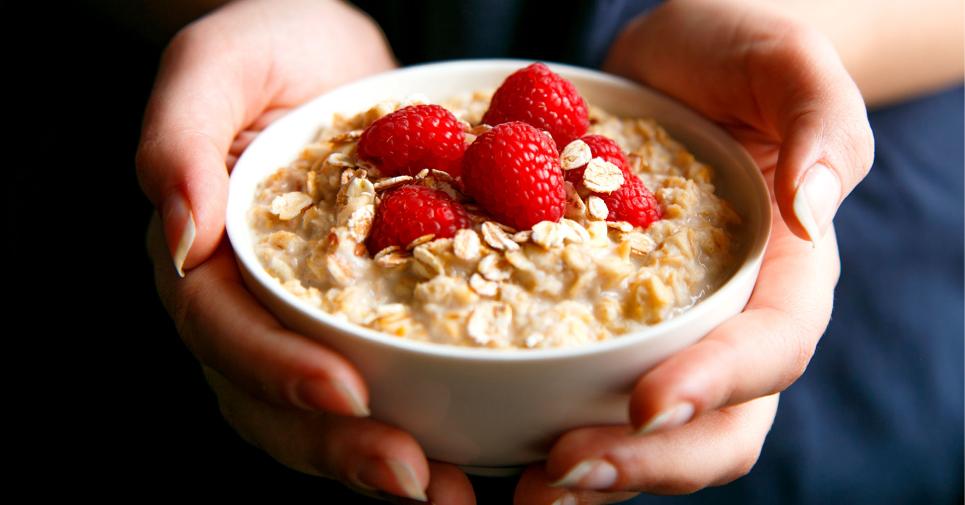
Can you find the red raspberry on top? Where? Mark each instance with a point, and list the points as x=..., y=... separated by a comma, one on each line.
x=537, y=96
x=412, y=138
x=633, y=203
x=411, y=211
x=513, y=171
x=600, y=147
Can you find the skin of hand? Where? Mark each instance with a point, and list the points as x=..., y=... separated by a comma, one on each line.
x=221, y=80
x=699, y=418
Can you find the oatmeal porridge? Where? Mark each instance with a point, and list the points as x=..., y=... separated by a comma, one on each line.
x=569, y=280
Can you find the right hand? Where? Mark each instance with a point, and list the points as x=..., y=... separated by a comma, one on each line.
x=221, y=80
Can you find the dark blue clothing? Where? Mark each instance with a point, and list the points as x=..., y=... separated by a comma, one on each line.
x=570, y=31
x=878, y=416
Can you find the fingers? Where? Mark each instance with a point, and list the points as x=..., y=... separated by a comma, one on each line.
x=229, y=331
x=715, y=449
x=774, y=83
x=217, y=77
x=826, y=142
x=448, y=484
x=370, y=457
x=535, y=488
x=759, y=352
x=190, y=121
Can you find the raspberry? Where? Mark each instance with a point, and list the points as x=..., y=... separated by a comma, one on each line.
x=411, y=211
x=513, y=171
x=412, y=138
x=633, y=203
x=600, y=147
x=537, y=96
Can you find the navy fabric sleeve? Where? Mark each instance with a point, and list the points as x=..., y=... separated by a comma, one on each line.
x=568, y=31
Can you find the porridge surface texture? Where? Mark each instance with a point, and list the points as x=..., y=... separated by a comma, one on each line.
x=560, y=284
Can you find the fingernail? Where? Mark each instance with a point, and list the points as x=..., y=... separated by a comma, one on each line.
x=816, y=200
x=589, y=474
x=669, y=418
x=566, y=499
x=353, y=398
x=374, y=474
x=179, y=229
x=407, y=480
x=316, y=394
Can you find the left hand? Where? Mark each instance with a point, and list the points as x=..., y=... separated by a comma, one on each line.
x=700, y=417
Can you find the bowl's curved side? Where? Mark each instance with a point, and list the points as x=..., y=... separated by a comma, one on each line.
x=483, y=407
x=497, y=413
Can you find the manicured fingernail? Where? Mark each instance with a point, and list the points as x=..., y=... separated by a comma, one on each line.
x=353, y=398
x=374, y=475
x=179, y=229
x=316, y=394
x=816, y=200
x=407, y=480
x=589, y=474
x=669, y=418
x=566, y=499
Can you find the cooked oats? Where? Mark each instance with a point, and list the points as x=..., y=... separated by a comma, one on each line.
x=289, y=205
x=497, y=238
x=548, y=234
x=597, y=207
x=575, y=155
x=602, y=176
x=581, y=280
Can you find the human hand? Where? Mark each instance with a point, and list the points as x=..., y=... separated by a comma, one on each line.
x=221, y=80
x=699, y=418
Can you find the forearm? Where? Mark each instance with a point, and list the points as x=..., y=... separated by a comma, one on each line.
x=892, y=48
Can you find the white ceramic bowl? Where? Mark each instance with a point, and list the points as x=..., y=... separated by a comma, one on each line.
x=491, y=411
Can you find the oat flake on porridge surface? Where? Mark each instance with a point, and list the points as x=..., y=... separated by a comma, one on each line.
x=581, y=280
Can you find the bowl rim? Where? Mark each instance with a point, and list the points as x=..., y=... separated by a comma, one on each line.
x=749, y=267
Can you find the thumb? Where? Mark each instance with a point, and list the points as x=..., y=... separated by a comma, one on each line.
x=827, y=147
x=183, y=173
x=190, y=121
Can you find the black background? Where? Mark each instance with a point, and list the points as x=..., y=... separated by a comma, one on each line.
x=107, y=401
